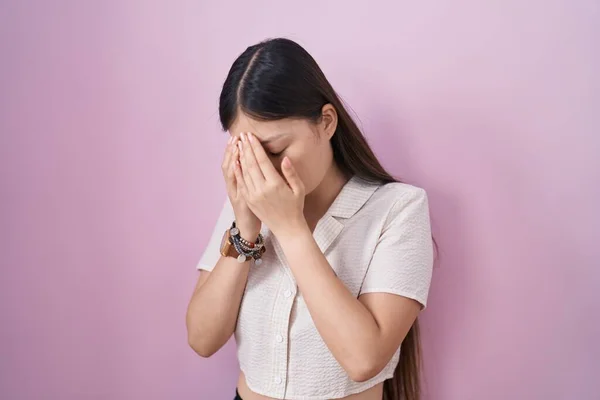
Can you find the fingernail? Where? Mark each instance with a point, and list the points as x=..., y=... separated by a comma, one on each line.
x=243, y=136
x=251, y=137
x=240, y=145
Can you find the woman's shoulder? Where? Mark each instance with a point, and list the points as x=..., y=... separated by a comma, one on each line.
x=399, y=192
x=396, y=200
x=386, y=201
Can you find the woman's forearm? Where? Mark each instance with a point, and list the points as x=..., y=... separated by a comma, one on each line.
x=344, y=323
x=213, y=310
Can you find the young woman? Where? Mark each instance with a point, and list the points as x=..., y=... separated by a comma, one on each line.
x=320, y=261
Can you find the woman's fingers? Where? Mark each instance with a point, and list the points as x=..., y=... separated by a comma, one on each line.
x=227, y=156
x=264, y=163
x=254, y=170
x=245, y=173
x=229, y=161
x=240, y=182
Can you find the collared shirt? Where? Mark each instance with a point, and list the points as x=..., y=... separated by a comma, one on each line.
x=377, y=238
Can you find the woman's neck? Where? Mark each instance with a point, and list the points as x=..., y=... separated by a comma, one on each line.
x=319, y=200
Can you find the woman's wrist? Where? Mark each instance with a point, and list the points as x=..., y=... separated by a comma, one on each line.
x=249, y=232
x=295, y=229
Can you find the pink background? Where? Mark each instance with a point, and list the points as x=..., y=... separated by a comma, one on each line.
x=109, y=160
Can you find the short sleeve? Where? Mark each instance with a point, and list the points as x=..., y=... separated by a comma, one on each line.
x=212, y=253
x=402, y=262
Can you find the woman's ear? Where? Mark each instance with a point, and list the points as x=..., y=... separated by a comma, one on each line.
x=329, y=120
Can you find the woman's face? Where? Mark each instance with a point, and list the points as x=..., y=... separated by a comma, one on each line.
x=306, y=144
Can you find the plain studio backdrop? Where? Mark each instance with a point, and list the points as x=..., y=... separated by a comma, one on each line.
x=110, y=156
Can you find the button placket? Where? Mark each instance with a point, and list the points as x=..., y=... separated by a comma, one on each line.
x=280, y=324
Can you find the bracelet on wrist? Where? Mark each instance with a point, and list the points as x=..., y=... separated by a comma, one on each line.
x=246, y=250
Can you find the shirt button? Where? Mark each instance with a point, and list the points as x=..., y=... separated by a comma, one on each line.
x=287, y=293
x=279, y=338
x=278, y=380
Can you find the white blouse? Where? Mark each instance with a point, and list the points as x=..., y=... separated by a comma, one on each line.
x=377, y=238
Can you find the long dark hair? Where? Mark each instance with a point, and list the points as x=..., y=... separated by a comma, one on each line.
x=278, y=79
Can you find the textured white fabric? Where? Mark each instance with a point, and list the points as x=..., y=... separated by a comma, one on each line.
x=377, y=238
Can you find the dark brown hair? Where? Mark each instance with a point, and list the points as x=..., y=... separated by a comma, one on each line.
x=278, y=79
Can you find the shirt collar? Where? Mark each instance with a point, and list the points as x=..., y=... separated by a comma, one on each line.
x=355, y=193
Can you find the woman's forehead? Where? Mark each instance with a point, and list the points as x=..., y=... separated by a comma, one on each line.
x=265, y=130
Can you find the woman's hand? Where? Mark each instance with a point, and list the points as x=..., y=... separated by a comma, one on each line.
x=246, y=221
x=276, y=201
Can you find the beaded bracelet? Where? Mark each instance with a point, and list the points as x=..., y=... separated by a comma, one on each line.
x=246, y=253
x=246, y=249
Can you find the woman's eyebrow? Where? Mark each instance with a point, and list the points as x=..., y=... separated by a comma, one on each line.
x=273, y=138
